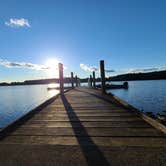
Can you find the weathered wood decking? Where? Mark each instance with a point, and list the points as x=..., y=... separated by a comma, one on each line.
x=82, y=128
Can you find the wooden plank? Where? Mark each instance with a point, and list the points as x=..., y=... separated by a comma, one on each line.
x=84, y=114
x=89, y=119
x=102, y=141
x=90, y=131
x=83, y=110
x=87, y=124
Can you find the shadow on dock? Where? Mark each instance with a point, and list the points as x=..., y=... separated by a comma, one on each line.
x=90, y=150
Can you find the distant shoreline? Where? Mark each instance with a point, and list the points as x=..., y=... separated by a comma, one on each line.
x=69, y=82
x=158, y=75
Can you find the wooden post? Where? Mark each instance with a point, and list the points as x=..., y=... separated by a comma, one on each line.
x=90, y=80
x=102, y=73
x=76, y=81
x=94, y=80
x=60, y=65
x=72, y=82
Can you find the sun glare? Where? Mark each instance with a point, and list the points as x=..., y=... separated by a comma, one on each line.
x=52, y=65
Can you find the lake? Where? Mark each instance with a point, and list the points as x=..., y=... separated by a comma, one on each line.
x=149, y=96
x=16, y=101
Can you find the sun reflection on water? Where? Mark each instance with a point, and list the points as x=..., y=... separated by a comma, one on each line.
x=52, y=85
x=53, y=92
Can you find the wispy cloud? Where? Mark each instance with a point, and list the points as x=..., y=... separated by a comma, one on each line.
x=15, y=22
x=28, y=65
x=93, y=68
x=88, y=68
x=144, y=70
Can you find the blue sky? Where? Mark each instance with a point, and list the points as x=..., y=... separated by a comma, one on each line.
x=130, y=35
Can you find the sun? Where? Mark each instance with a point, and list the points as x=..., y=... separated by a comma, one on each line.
x=52, y=65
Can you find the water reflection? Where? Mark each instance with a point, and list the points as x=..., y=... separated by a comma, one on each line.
x=53, y=85
x=53, y=92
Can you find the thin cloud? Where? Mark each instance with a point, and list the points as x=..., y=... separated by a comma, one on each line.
x=144, y=70
x=93, y=68
x=23, y=65
x=88, y=68
x=14, y=22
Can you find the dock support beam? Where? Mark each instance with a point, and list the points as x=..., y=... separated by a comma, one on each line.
x=90, y=80
x=72, y=82
x=94, y=80
x=76, y=81
x=60, y=66
x=102, y=73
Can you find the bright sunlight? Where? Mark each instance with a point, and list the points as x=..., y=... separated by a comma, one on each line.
x=52, y=65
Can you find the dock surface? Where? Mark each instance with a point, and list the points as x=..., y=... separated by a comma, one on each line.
x=81, y=128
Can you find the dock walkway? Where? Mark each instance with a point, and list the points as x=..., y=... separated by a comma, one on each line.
x=83, y=128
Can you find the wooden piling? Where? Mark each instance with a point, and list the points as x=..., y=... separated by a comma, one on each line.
x=72, y=82
x=94, y=80
x=60, y=65
x=102, y=73
x=90, y=80
x=76, y=79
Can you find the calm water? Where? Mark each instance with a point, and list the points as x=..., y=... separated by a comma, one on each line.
x=15, y=101
x=149, y=96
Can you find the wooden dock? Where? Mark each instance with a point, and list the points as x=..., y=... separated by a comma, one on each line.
x=83, y=127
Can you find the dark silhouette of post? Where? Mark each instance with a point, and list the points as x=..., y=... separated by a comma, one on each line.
x=90, y=80
x=76, y=81
x=94, y=80
x=72, y=82
x=102, y=73
x=60, y=65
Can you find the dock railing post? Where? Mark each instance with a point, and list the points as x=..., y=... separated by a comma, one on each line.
x=90, y=80
x=72, y=82
x=76, y=81
x=94, y=80
x=60, y=66
x=102, y=73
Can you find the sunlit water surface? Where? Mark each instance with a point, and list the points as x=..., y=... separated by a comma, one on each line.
x=16, y=101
